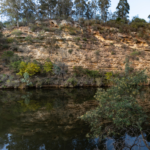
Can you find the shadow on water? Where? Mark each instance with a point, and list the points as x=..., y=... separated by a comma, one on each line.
x=48, y=120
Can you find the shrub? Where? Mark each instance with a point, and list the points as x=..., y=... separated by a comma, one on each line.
x=22, y=68
x=10, y=40
x=70, y=51
x=79, y=70
x=28, y=38
x=48, y=66
x=77, y=39
x=84, y=39
x=108, y=75
x=5, y=46
x=113, y=53
x=72, y=81
x=16, y=32
x=135, y=53
x=72, y=33
x=7, y=55
x=46, y=29
x=118, y=105
x=30, y=68
x=96, y=27
x=33, y=28
x=26, y=79
x=97, y=53
x=15, y=66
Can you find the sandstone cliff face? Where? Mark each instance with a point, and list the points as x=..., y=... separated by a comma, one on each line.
x=104, y=50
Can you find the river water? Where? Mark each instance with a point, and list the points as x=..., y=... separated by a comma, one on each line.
x=47, y=119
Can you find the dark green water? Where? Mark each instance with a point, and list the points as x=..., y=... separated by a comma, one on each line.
x=48, y=120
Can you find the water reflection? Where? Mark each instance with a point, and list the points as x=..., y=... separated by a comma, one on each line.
x=48, y=120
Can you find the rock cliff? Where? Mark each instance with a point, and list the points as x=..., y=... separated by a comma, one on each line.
x=103, y=49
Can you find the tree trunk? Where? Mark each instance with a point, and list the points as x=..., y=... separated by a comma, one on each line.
x=17, y=24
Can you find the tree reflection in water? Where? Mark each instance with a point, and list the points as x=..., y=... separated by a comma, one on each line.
x=47, y=120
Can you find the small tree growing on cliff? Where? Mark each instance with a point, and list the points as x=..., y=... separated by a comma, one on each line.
x=118, y=105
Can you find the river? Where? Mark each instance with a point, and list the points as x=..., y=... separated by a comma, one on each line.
x=47, y=119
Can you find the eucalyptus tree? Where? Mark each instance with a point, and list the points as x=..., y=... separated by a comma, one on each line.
x=12, y=8
x=64, y=8
x=104, y=5
x=94, y=7
x=80, y=6
x=123, y=9
x=47, y=8
x=29, y=10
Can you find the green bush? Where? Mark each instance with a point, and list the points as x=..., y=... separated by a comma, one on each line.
x=33, y=28
x=77, y=39
x=26, y=79
x=72, y=81
x=84, y=39
x=70, y=51
x=15, y=66
x=118, y=106
x=30, y=68
x=135, y=53
x=5, y=46
x=28, y=38
x=16, y=32
x=97, y=53
x=72, y=33
x=46, y=29
x=7, y=55
x=10, y=40
x=48, y=66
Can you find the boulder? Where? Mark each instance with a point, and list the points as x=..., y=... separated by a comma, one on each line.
x=65, y=23
x=53, y=23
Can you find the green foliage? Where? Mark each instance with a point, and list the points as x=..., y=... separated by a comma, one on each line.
x=26, y=79
x=70, y=51
x=108, y=75
x=30, y=68
x=92, y=73
x=123, y=9
x=34, y=28
x=72, y=33
x=77, y=39
x=135, y=53
x=28, y=38
x=84, y=39
x=80, y=71
x=1, y=25
x=15, y=66
x=137, y=23
x=7, y=55
x=97, y=53
x=16, y=32
x=48, y=66
x=72, y=81
x=10, y=40
x=5, y=46
x=118, y=105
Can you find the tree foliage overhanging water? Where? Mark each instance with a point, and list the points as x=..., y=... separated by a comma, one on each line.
x=118, y=105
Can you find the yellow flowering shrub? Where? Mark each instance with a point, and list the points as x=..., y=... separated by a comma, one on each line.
x=48, y=66
x=30, y=68
x=22, y=68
